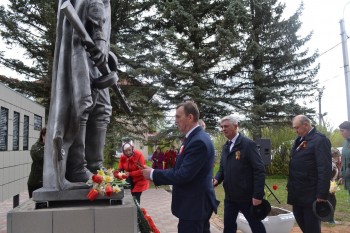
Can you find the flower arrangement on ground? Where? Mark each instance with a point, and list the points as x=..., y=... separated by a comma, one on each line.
x=105, y=183
x=144, y=221
x=150, y=221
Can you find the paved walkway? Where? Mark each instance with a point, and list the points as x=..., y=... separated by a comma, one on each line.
x=157, y=203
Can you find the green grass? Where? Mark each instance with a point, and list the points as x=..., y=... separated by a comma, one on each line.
x=342, y=212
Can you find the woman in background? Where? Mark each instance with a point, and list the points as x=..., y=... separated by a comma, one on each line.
x=130, y=162
x=35, y=180
x=158, y=158
x=170, y=157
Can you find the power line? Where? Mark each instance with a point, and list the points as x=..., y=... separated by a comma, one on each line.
x=330, y=79
x=331, y=48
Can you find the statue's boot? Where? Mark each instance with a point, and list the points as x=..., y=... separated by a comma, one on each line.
x=62, y=182
x=76, y=163
x=95, y=142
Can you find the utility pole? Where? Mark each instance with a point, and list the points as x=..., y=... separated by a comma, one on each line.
x=344, y=38
x=320, y=116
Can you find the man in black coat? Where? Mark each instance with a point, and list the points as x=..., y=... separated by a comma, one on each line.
x=309, y=173
x=243, y=174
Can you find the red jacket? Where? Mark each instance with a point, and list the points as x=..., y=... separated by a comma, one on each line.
x=128, y=164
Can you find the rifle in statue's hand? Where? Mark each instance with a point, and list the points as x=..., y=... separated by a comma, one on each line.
x=109, y=76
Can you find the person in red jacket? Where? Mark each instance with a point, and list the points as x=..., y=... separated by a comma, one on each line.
x=170, y=158
x=129, y=163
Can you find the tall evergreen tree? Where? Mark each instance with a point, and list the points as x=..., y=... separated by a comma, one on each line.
x=30, y=24
x=235, y=56
x=194, y=37
x=274, y=71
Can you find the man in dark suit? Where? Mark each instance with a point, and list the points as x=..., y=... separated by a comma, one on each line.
x=310, y=171
x=193, y=196
x=243, y=174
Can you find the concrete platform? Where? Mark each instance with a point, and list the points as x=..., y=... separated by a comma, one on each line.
x=93, y=217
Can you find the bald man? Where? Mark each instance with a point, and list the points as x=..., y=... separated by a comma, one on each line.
x=310, y=171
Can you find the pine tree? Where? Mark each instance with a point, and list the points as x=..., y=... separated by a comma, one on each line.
x=193, y=38
x=274, y=71
x=30, y=24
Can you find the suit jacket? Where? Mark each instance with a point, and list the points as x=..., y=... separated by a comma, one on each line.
x=193, y=196
x=242, y=171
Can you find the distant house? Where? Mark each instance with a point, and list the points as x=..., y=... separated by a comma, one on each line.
x=21, y=120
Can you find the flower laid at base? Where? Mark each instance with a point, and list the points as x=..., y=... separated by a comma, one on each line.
x=106, y=183
x=150, y=221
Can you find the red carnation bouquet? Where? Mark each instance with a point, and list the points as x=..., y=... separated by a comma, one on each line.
x=106, y=183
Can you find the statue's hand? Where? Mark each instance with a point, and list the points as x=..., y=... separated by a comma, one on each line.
x=99, y=53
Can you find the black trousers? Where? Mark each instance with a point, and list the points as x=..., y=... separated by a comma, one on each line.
x=137, y=196
x=194, y=226
x=306, y=219
x=231, y=211
x=333, y=201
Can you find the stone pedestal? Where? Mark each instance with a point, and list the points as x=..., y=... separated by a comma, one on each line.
x=43, y=194
x=81, y=217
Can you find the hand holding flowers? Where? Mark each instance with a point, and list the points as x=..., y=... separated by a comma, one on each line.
x=333, y=188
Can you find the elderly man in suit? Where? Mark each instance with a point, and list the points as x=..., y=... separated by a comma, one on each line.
x=310, y=171
x=242, y=172
x=193, y=198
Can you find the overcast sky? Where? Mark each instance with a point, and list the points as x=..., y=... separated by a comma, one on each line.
x=322, y=17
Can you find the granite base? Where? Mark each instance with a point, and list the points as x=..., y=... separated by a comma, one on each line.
x=78, y=217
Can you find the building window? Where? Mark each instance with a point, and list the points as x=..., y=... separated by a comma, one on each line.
x=25, y=132
x=37, y=122
x=15, y=135
x=4, y=116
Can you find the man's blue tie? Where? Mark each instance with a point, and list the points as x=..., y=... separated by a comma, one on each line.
x=229, y=143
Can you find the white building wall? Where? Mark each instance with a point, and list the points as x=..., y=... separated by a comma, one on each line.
x=15, y=165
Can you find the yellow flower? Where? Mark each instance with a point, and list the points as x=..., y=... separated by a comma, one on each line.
x=101, y=172
x=108, y=179
x=109, y=172
x=116, y=189
x=333, y=187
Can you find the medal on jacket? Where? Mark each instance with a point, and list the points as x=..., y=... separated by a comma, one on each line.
x=238, y=155
x=302, y=145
